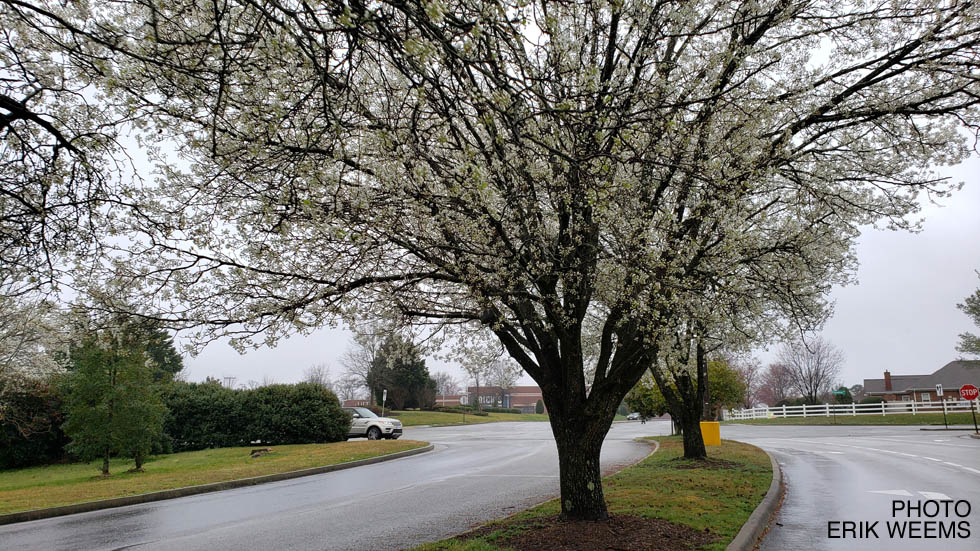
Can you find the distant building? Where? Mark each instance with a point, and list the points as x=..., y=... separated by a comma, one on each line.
x=449, y=400
x=922, y=388
x=356, y=403
x=524, y=398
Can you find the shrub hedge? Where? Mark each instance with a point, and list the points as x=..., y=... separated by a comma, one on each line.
x=208, y=415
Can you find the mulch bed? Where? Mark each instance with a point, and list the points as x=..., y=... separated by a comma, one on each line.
x=708, y=463
x=619, y=533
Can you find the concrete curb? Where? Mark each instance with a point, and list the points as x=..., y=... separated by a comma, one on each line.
x=975, y=436
x=37, y=514
x=758, y=522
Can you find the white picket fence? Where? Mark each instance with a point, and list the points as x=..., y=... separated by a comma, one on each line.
x=829, y=410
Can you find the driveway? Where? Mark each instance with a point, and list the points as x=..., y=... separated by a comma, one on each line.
x=474, y=474
x=873, y=477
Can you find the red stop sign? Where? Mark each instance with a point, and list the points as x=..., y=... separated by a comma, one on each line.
x=969, y=392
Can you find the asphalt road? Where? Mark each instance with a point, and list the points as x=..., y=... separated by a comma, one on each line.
x=858, y=473
x=475, y=473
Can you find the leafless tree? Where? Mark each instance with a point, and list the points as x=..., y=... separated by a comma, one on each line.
x=775, y=384
x=363, y=352
x=750, y=372
x=813, y=366
x=347, y=387
x=446, y=384
x=503, y=374
x=318, y=374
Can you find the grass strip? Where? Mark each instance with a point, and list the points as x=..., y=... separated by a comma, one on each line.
x=957, y=418
x=716, y=496
x=54, y=485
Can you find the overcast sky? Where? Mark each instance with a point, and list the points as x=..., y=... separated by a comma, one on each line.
x=901, y=316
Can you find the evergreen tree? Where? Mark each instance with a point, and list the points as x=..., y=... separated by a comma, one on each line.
x=112, y=405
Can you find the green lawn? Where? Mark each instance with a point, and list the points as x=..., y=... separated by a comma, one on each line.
x=53, y=485
x=664, y=486
x=958, y=418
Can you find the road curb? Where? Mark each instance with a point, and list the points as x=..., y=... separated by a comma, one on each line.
x=37, y=514
x=977, y=436
x=758, y=521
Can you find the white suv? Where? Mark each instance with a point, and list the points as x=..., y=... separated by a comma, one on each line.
x=365, y=423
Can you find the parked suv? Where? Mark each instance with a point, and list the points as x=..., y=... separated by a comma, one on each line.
x=365, y=423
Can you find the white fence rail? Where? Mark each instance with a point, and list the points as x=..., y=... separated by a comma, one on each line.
x=829, y=410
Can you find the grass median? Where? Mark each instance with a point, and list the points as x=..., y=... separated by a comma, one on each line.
x=54, y=485
x=957, y=418
x=663, y=502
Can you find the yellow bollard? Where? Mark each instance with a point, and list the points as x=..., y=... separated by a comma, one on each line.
x=711, y=433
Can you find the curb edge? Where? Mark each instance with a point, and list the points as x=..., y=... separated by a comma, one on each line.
x=757, y=524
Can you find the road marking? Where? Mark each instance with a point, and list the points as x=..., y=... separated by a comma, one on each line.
x=934, y=495
x=952, y=464
x=972, y=470
x=835, y=453
x=932, y=459
x=947, y=440
x=902, y=493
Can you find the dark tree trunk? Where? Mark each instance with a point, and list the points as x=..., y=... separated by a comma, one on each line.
x=105, y=462
x=686, y=402
x=579, y=440
x=138, y=459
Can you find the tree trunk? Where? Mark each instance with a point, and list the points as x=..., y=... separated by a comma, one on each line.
x=693, y=441
x=138, y=459
x=105, y=462
x=579, y=442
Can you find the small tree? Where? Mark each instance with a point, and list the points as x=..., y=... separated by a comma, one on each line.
x=646, y=398
x=725, y=387
x=539, y=407
x=112, y=405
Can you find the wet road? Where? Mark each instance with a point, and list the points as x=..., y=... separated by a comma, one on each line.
x=856, y=474
x=475, y=474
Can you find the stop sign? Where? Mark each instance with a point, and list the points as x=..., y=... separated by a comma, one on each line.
x=969, y=392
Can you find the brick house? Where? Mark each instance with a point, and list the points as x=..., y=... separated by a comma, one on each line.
x=356, y=403
x=524, y=398
x=922, y=388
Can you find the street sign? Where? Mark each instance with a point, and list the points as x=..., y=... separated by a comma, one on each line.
x=939, y=391
x=969, y=392
x=840, y=392
x=384, y=395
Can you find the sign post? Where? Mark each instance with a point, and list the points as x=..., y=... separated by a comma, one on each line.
x=939, y=393
x=970, y=392
x=384, y=398
x=838, y=392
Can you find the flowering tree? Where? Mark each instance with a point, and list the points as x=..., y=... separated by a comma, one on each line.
x=523, y=166
x=970, y=343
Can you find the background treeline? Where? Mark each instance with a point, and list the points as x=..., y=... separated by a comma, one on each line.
x=198, y=416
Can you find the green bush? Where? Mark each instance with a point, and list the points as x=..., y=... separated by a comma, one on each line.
x=30, y=430
x=209, y=415
x=204, y=415
x=539, y=407
x=872, y=400
x=502, y=410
